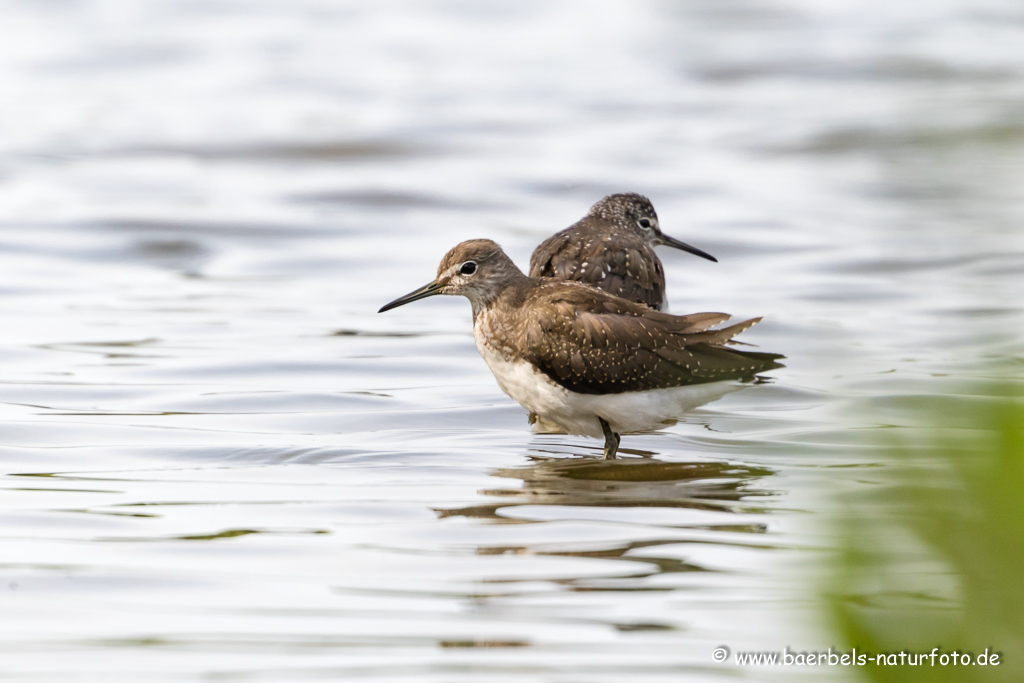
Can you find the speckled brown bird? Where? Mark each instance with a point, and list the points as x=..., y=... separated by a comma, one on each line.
x=584, y=360
x=612, y=248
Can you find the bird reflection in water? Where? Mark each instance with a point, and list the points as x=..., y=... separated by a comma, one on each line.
x=718, y=487
x=648, y=482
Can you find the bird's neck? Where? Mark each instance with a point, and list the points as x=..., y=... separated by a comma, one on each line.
x=510, y=292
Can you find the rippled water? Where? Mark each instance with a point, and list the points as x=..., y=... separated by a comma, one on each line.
x=221, y=463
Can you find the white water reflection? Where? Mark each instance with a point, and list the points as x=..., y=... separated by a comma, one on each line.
x=222, y=463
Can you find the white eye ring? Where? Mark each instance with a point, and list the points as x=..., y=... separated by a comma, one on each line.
x=467, y=268
x=645, y=223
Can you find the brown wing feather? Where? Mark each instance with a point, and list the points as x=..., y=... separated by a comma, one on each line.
x=556, y=257
x=631, y=268
x=601, y=345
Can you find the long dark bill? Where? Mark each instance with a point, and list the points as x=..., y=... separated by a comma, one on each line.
x=421, y=293
x=673, y=242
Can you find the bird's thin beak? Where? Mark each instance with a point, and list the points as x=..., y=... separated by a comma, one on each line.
x=673, y=242
x=421, y=293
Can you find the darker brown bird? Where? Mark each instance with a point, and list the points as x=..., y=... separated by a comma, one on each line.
x=612, y=248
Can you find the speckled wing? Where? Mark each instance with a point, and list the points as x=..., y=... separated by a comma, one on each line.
x=557, y=257
x=592, y=348
x=629, y=269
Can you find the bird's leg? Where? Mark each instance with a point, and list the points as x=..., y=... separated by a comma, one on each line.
x=611, y=439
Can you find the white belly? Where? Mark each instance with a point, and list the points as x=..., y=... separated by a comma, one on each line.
x=573, y=413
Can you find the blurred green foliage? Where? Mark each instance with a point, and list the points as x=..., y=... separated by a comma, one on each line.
x=935, y=558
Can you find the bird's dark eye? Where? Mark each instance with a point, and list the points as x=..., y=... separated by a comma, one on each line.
x=645, y=223
x=468, y=268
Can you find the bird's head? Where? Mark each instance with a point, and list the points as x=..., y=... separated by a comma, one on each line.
x=635, y=213
x=476, y=269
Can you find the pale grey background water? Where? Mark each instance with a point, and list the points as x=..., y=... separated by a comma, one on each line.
x=222, y=464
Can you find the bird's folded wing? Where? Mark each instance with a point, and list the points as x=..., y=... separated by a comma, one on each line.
x=624, y=271
x=608, y=353
x=542, y=261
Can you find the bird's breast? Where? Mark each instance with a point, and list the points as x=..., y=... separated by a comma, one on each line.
x=518, y=378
